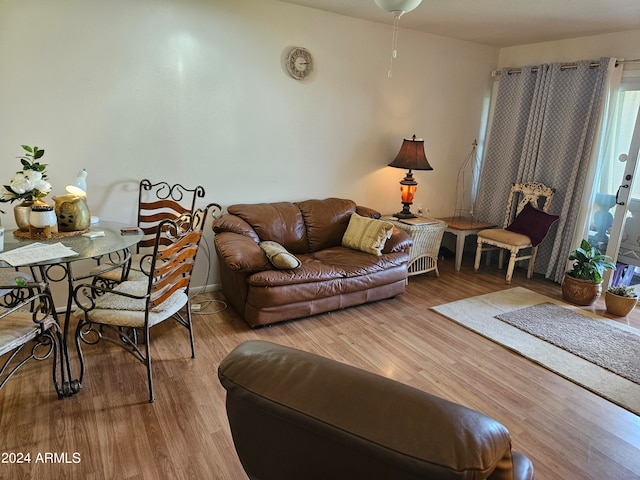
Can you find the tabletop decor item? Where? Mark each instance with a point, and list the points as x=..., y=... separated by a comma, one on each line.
x=29, y=184
x=71, y=209
x=72, y=212
x=42, y=220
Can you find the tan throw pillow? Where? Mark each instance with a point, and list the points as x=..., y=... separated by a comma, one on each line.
x=366, y=234
x=279, y=256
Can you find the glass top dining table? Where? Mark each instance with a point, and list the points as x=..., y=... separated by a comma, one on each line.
x=113, y=244
x=84, y=246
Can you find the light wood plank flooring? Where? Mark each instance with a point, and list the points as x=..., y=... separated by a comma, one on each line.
x=114, y=433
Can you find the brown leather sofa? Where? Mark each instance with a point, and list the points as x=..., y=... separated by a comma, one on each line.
x=330, y=276
x=296, y=415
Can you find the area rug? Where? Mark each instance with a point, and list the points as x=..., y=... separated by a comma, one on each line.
x=479, y=315
x=606, y=345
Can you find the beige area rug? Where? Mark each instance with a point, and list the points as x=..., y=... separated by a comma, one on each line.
x=478, y=314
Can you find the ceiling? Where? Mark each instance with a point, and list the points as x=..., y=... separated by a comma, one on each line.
x=500, y=23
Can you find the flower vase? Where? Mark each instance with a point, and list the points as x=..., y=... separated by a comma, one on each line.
x=21, y=213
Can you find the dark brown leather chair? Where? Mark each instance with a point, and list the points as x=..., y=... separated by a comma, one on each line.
x=296, y=415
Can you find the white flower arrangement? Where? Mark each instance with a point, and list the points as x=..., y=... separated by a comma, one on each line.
x=29, y=184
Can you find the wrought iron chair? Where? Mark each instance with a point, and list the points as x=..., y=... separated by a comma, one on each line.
x=12, y=278
x=117, y=314
x=156, y=202
x=512, y=236
x=29, y=329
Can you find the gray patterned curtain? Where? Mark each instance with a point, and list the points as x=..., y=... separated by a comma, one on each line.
x=543, y=130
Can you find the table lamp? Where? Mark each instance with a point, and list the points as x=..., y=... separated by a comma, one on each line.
x=412, y=157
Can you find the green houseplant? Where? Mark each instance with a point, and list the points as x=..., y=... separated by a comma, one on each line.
x=28, y=185
x=620, y=300
x=582, y=285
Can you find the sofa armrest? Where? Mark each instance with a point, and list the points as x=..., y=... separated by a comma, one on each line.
x=293, y=412
x=400, y=241
x=235, y=224
x=240, y=253
x=367, y=212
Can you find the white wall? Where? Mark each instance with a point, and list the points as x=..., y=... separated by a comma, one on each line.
x=194, y=92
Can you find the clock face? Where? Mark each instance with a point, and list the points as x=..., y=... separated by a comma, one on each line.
x=299, y=63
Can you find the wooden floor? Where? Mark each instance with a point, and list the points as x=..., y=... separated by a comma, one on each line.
x=110, y=431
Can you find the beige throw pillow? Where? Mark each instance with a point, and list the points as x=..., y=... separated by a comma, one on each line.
x=279, y=256
x=367, y=234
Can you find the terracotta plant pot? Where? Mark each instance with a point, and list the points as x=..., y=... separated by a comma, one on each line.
x=618, y=305
x=580, y=292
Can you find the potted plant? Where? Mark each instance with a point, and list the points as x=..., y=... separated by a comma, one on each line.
x=28, y=185
x=582, y=285
x=620, y=300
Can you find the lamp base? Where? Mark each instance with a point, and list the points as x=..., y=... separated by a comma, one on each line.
x=404, y=215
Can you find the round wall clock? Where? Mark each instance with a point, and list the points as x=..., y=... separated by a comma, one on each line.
x=299, y=63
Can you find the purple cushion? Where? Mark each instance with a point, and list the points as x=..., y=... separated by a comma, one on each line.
x=533, y=223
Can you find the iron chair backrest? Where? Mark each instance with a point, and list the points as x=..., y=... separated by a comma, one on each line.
x=27, y=314
x=531, y=192
x=175, y=249
x=162, y=201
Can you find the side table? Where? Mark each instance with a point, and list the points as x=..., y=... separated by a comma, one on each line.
x=461, y=227
x=423, y=255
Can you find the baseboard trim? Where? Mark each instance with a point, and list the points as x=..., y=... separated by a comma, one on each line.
x=206, y=288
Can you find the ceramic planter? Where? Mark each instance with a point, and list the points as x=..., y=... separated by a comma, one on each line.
x=580, y=292
x=618, y=305
x=21, y=213
x=41, y=220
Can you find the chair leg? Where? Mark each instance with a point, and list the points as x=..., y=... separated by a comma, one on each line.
x=532, y=261
x=190, y=327
x=512, y=264
x=501, y=259
x=148, y=363
x=476, y=264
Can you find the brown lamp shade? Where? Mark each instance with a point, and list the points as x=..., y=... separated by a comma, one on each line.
x=411, y=155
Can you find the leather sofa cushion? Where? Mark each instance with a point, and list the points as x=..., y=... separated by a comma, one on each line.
x=279, y=222
x=337, y=292
x=329, y=264
x=326, y=221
